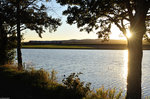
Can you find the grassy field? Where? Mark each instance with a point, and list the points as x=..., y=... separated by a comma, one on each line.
x=56, y=46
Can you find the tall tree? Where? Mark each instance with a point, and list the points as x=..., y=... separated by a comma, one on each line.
x=28, y=14
x=99, y=15
x=19, y=56
x=7, y=40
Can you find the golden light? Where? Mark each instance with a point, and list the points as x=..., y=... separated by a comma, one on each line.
x=128, y=34
x=125, y=68
x=125, y=64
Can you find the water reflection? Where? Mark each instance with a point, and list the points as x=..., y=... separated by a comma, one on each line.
x=100, y=67
x=125, y=68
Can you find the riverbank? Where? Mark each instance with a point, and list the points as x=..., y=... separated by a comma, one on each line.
x=82, y=46
x=39, y=84
x=34, y=84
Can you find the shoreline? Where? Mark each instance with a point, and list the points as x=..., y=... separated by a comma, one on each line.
x=83, y=46
x=78, y=48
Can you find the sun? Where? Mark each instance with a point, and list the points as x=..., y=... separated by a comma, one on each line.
x=129, y=35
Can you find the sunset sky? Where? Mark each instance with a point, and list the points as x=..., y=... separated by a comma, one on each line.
x=65, y=31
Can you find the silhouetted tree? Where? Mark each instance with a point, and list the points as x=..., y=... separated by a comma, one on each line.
x=28, y=14
x=19, y=56
x=99, y=15
x=7, y=40
x=7, y=45
x=3, y=46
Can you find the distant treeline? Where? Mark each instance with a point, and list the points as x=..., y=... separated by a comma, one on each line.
x=94, y=44
x=74, y=41
x=42, y=42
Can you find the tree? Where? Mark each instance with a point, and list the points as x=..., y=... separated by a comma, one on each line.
x=7, y=40
x=99, y=15
x=28, y=14
x=18, y=16
x=7, y=45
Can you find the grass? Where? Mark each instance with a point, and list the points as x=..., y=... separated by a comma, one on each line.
x=56, y=46
x=39, y=84
x=101, y=93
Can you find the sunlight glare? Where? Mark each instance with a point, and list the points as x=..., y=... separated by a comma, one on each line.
x=128, y=34
x=125, y=64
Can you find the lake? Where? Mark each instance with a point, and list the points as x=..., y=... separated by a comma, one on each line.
x=100, y=67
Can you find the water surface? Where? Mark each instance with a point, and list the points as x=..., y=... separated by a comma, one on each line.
x=100, y=67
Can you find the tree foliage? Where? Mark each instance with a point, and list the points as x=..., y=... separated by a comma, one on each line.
x=33, y=16
x=7, y=45
x=99, y=15
x=7, y=39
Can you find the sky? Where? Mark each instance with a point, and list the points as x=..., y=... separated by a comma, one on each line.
x=65, y=31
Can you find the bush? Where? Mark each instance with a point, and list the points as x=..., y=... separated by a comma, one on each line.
x=73, y=83
x=101, y=93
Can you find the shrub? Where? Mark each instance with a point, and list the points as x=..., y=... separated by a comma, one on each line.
x=101, y=93
x=40, y=78
x=78, y=89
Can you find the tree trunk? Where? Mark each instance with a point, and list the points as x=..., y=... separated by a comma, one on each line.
x=135, y=54
x=135, y=51
x=19, y=56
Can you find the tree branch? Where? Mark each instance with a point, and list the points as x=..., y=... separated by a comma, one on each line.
x=123, y=27
x=23, y=29
x=129, y=9
x=28, y=5
x=10, y=29
x=119, y=26
x=116, y=23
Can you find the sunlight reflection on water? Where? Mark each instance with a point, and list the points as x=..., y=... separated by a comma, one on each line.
x=125, y=69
